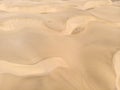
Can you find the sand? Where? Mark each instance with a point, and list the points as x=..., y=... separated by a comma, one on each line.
x=59, y=45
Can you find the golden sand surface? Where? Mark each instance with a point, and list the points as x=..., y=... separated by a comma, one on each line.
x=59, y=45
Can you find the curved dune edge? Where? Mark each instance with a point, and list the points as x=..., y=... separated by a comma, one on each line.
x=41, y=8
x=42, y=68
x=96, y=3
x=116, y=63
x=77, y=22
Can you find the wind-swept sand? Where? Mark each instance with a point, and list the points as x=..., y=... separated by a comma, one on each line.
x=59, y=45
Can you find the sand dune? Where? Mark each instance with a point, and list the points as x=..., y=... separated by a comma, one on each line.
x=59, y=44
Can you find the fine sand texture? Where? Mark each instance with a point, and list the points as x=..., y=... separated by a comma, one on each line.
x=59, y=44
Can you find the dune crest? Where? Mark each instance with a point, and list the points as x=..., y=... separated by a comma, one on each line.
x=41, y=68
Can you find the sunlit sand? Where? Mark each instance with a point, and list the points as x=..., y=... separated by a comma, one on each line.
x=59, y=45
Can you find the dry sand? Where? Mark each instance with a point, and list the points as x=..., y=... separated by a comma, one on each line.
x=59, y=45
